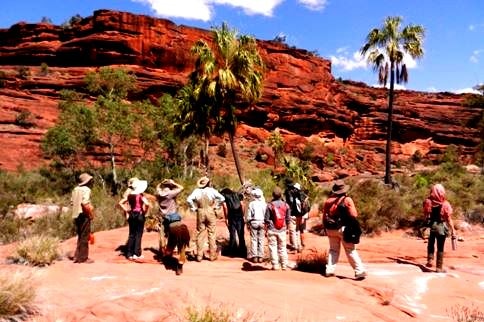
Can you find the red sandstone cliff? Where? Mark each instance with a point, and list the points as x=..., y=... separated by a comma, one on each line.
x=300, y=93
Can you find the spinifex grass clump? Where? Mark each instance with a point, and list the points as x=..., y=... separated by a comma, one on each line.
x=312, y=262
x=37, y=251
x=17, y=296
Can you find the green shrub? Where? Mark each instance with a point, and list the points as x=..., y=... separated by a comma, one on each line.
x=44, y=69
x=10, y=229
x=24, y=118
x=23, y=72
x=17, y=295
x=37, y=251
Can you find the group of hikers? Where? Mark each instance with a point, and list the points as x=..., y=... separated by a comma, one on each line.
x=283, y=216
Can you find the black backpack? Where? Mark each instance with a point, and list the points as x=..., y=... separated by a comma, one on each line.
x=297, y=201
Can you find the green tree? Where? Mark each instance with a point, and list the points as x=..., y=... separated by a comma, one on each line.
x=111, y=121
x=385, y=49
x=276, y=142
x=228, y=73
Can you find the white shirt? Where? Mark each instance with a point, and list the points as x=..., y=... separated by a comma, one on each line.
x=210, y=193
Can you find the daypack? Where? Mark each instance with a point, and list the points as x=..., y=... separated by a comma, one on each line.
x=298, y=201
x=279, y=214
x=337, y=220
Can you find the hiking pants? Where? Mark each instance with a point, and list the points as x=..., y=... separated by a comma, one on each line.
x=294, y=228
x=335, y=241
x=136, y=223
x=83, y=228
x=257, y=237
x=433, y=237
x=277, y=248
x=237, y=240
x=206, y=220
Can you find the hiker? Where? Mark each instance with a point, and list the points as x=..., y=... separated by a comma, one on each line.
x=166, y=194
x=204, y=199
x=438, y=215
x=339, y=213
x=299, y=204
x=234, y=218
x=126, y=193
x=277, y=218
x=255, y=223
x=83, y=214
x=136, y=205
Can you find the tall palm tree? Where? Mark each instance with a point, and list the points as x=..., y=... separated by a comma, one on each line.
x=226, y=74
x=385, y=49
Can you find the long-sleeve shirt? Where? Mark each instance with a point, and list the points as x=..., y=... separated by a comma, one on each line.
x=213, y=197
x=256, y=210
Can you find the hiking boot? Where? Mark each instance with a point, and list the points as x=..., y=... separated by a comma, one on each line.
x=213, y=258
x=361, y=276
x=179, y=269
x=430, y=258
x=439, y=263
x=199, y=258
x=284, y=267
x=329, y=274
x=275, y=267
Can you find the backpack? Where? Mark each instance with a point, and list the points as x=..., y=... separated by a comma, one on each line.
x=337, y=220
x=298, y=202
x=279, y=214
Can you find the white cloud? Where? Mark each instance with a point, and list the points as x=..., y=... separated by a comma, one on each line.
x=466, y=90
x=432, y=89
x=395, y=86
x=313, y=4
x=204, y=9
x=345, y=62
x=475, y=56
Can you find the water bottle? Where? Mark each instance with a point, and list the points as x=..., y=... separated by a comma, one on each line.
x=454, y=242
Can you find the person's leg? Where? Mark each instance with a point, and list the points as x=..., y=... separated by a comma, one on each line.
x=253, y=242
x=430, y=249
x=241, y=247
x=335, y=238
x=272, y=240
x=83, y=231
x=440, y=254
x=200, y=228
x=232, y=227
x=260, y=242
x=130, y=249
x=354, y=260
x=211, y=230
x=282, y=249
x=140, y=226
x=292, y=233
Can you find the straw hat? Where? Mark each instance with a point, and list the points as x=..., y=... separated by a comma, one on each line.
x=297, y=186
x=84, y=178
x=138, y=187
x=203, y=182
x=339, y=187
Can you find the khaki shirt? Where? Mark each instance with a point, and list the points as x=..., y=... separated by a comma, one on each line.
x=80, y=195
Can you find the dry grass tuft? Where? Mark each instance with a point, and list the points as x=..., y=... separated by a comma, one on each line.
x=17, y=296
x=312, y=262
x=37, y=251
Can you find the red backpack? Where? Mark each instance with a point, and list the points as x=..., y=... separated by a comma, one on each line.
x=279, y=214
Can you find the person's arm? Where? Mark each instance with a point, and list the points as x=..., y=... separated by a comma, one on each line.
x=191, y=200
x=288, y=214
x=350, y=204
x=447, y=216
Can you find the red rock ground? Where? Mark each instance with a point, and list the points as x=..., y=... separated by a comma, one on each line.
x=115, y=289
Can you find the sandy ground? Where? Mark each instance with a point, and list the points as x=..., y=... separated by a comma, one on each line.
x=115, y=289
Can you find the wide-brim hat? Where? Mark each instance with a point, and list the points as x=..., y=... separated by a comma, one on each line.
x=339, y=187
x=131, y=181
x=138, y=187
x=257, y=193
x=297, y=186
x=167, y=183
x=84, y=178
x=203, y=182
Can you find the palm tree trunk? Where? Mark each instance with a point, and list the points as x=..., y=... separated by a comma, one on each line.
x=206, y=159
x=388, y=152
x=236, y=158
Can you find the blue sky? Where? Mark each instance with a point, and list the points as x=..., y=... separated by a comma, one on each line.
x=335, y=29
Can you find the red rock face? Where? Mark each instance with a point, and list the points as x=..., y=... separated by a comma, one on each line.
x=300, y=94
